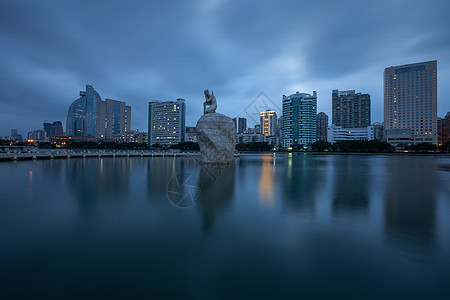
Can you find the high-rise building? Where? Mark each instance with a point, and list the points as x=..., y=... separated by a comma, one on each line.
x=410, y=103
x=48, y=128
x=116, y=116
x=299, y=119
x=82, y=116
x=322, y=126
x=443, y=127
x=280, y=127
x=241, y=125
x=268, y=122
x=350, y=109
x=90, y=116
x=166, y=122
x=56, y=130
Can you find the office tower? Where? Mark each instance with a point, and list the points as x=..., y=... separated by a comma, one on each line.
x=443, y=127
x=268, y=122
x=166, y=122
x=235, y=124
x=322, y=126
x=90, y=116
x=241, y=125
x=48, y=128
x=299, y=119
x=410, y=103
x=82, y=116
x=115, y=119
x=350, y=109
x=56, y=129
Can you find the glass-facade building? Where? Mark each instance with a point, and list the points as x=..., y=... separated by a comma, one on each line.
x=166, y=122
x=91, y=117
x=299, y=119
x=410, y=103
x=82, y=115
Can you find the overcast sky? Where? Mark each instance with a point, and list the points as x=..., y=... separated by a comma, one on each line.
x=138, y=51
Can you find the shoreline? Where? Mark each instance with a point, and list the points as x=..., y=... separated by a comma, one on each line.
x=11, y=157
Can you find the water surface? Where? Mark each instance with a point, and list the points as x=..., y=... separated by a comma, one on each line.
x=269, y=226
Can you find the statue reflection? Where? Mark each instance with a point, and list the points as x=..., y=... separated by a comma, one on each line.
x=410, y=202
x=216, y=184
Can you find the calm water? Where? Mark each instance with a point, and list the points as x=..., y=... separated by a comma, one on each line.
x=297, y=226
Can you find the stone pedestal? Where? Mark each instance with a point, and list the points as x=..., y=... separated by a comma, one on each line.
x=216, y=138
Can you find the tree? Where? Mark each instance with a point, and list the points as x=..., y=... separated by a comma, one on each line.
x=254, y=146
x=321, y=146
x=423, y=147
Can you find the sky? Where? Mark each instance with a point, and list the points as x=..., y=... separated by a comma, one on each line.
x=249, y=53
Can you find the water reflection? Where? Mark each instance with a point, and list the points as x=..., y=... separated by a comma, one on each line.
x=266, y=181
x=351, y=185
x=216, y=185
x=301, y=179
x=92, y=180
x=410, y=201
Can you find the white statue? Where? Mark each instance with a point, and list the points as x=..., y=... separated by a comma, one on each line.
x=211, y=101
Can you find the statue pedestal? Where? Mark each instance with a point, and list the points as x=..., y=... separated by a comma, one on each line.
x=216, y=138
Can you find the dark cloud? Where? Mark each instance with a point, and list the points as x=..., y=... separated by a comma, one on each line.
x=139, y=51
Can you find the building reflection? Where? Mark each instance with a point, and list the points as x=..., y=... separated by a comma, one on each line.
x=302, y=177
x=410, y=202
x=351, y=185
x=95, y=179
x=163, y=175
x=216, y=184
x=266, y=181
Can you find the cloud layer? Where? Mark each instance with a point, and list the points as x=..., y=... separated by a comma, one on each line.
x=138, y=51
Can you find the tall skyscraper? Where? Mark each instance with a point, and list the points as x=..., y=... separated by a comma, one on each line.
x=443, y=127
x=166, y=122
x=350, y=109
x=268, y=122
x=82, y=116
x=90, y=116
x=299, y=119
x=322, y=126
x=116, y=116
x=410, y=103
x=241, y=125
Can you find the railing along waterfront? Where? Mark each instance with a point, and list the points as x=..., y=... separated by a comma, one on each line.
x=59, y=154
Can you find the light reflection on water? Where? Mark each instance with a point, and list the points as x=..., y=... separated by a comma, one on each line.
x=267, y=226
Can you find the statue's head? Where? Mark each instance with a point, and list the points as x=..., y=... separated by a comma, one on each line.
x=206, y=92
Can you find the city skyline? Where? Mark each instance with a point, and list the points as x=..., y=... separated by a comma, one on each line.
x=45, y=60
